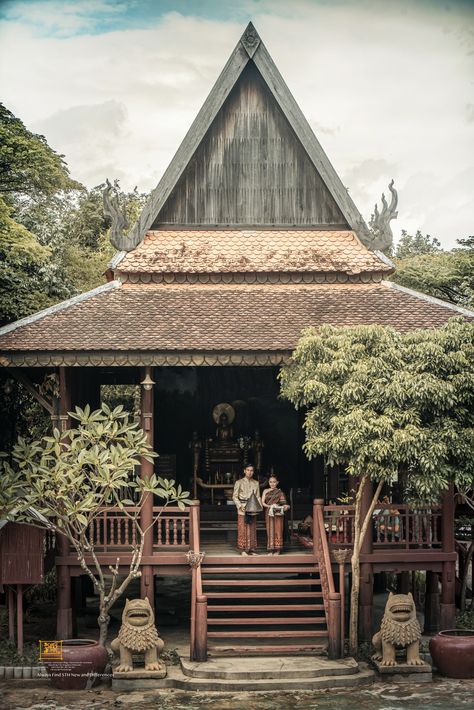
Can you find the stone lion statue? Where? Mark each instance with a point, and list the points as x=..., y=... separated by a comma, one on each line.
x=399, y=629
x=138, y=634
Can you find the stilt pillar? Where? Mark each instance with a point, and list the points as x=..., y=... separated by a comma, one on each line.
x=448, y=575
x=11, y=614
x=64, y=602
x=403, y=583
x=146, y=513
x=431, y=604
x=19, y=618
x=366, y=594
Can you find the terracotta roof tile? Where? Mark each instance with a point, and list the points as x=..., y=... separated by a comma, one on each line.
x=203, y=251
x=208, y=317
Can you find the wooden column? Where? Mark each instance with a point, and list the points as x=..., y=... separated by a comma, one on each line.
x=146, y=513
x=19, y=618
x=403, y=583
x=64, y=604
x=11, y=613
x=366, y=595
x=448, y=575
x=431, y=625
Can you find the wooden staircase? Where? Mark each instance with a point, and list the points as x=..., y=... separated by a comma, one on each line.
x=264, y=605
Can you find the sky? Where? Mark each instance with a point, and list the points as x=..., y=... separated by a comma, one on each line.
x=386, y=85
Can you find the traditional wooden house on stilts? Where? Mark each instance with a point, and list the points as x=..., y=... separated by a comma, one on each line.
x=249, y=237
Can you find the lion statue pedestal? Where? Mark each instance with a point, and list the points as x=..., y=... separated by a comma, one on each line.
x=400, y=631
x=138, y=634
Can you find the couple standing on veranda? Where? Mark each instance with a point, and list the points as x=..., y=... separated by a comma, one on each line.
x=247, y=523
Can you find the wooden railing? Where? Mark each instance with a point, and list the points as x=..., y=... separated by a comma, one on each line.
x=331, y=598
x=394, y=528
x=112, y=530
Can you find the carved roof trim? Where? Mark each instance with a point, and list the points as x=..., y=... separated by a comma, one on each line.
x=134, y=359
x=430, y=299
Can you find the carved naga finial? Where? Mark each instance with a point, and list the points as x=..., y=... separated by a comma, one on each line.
x=117, y=215
x=380, y=222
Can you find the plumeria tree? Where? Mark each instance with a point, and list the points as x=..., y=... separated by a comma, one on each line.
x=66, y=480
x=384, y=405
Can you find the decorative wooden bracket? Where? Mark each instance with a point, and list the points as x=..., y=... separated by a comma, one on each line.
x=23, y=380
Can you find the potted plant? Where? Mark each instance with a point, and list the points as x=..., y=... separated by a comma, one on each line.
x=68, y=479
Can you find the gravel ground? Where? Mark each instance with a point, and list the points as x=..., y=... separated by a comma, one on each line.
x=442, y=694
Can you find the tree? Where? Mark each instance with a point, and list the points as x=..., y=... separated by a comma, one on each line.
x=447, y=275
x=386, y=405
x=69, y=478
x=410, y=245
x=28, y=166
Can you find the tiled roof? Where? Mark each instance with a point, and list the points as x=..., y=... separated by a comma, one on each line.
x=208, y=317
x=201, y=251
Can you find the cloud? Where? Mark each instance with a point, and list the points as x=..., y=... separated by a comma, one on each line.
x=386, y=87
x=62, y=19
x=90, y=136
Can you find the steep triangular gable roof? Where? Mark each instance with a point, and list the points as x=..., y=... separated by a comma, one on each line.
x=249, y=48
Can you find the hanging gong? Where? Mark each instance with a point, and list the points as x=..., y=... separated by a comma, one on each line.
x=223, y=408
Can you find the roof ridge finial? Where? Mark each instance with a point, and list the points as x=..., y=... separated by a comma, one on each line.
x=250, y=39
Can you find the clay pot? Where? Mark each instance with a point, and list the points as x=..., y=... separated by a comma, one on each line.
x=452, y=652
x=82, y=661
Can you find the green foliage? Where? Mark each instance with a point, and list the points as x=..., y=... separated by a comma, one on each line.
x=414, y=245
x=23, y=267
x=28, y=166
x=465, y=619
x=383, y=403
x=9, y=655
x=447, y=275
x=69, y=476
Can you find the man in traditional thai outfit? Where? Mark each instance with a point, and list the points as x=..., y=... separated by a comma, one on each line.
x=246, y=522
x=274, y=505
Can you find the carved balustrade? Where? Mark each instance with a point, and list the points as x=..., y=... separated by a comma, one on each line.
x=112, y=530
x=399, y=527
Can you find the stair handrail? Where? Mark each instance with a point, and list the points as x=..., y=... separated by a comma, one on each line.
x=331, y=598
x=198, y=631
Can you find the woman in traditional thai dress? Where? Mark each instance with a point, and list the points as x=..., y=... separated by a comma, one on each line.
x=273, y=500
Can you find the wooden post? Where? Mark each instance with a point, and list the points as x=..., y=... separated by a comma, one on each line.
x=334, y=626
x=11, y=614
x=403, y=583
x=64, y=603
x=200, y=646
x=317, y=502
x=448, y=575
x=366, y=594
x=146, y=469
x=431, y=625
x=19, y=617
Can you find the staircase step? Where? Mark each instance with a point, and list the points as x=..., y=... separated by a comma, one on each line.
x=268, y=621
x=244, y=569
x=300, y=649
x=270, y=634
x=260, y=582
x=177, y=679
x=263, y=595
x=266, y=668
x=267, y=607
x=258, y=560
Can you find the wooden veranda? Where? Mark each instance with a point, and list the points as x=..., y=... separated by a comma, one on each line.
x=288, y=603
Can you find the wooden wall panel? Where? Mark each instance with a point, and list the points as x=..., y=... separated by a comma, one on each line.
x=250, y=169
